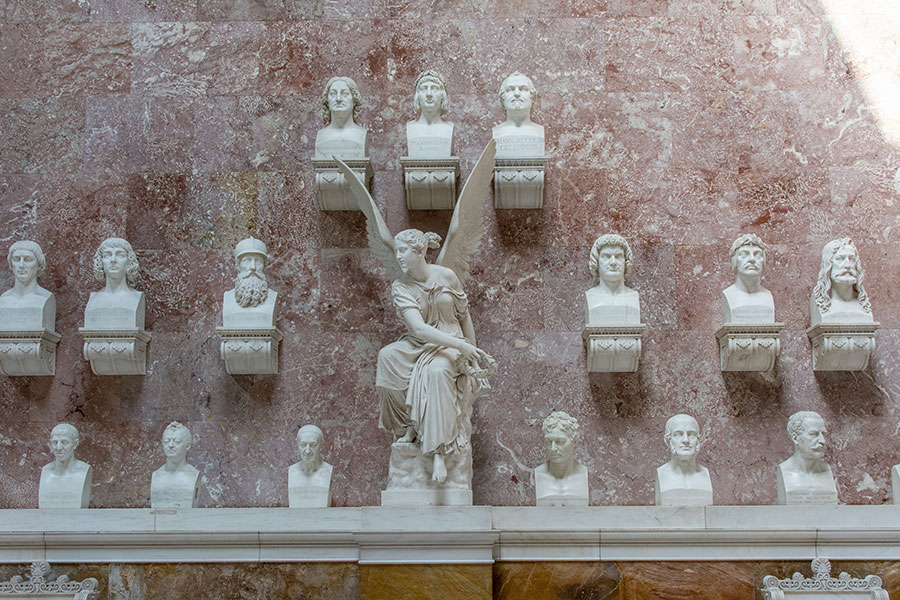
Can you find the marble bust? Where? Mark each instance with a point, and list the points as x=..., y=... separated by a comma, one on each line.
x=561, y=481
x=65, y=482
x=746, y=301
x=681, y=481
x=518, y=136
x=839, y=296
x=895, y=476
x=805, y=477
x=27, y=306
x=118, y=305
x=251, y=303
x=611, y=302
x=174, y=485
x=309, y=479
x=430, y=136
x=342, y=135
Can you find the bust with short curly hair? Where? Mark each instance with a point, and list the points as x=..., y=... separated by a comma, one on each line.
x=342, y=135
x=611, y=302
x=26, y=261
x=561, y=481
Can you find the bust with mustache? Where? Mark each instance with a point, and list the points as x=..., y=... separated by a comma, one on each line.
x=839, y=295
x=251, y=303
x=805, y=477
x=746, y=300
x=518, y=136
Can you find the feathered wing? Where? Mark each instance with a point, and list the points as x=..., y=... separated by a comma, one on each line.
x=380, y=239
x=467, y=224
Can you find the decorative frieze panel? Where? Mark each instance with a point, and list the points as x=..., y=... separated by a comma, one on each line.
x=28, y=352
x=41, y=583
x=519, y=182
x=822, y=586
x=334, y=192
x=430, y=182
x=748, y=347
x=842, y=346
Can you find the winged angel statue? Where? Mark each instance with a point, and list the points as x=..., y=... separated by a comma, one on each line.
x=428, y=380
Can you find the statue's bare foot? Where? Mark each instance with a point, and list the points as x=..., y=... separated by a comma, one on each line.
x=409, y=437
x=439, y=471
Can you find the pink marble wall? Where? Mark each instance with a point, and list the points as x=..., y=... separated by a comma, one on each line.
x=186, y=125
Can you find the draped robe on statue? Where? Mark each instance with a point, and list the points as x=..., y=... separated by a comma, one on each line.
x=419, y=383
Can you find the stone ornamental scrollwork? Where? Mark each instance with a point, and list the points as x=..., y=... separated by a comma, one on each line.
x=41, y=582
x=822, y=581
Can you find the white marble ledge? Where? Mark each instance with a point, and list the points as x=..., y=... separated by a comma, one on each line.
x=477, y=534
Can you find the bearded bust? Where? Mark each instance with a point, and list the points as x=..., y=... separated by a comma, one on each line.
x=251, y=303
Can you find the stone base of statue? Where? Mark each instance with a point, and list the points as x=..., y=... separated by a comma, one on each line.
x=250, y=351
x=519, y=182
x=28, y=352
x=334, y=193
x=842, y=346
x=410, y=484
x=613, y=349
x=684, y=497
x=745, y=347
x=430, y=182
x=116, y=351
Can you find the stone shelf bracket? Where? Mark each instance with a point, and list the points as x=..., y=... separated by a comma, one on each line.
x=28, y=352
x=519, y=182
x=842, y=346
x=250, y=351
x=116, y=352
x=334, y=193
x=822, y=586
x=613, y=349
x=748, y=347
x=430, y=182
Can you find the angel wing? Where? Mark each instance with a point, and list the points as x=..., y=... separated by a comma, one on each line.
x=467, y=223
x=380, y=239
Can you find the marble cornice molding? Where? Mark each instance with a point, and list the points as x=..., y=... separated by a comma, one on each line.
x=473, y=535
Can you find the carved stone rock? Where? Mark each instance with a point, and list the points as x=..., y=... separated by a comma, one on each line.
x=410, y=480
x=822, y=586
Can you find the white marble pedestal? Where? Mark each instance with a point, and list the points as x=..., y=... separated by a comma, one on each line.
x=250, y=351
x=410, y=484
x=334, y=193
x=842, y=346
x=519, y=182
x=745, y=347
x=430, y=182
x=613, y=349
x=28, y=352
x=116, y=351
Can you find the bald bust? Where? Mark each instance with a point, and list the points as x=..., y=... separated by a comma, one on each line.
x=309, y=479
x=681, y=481
x=65, y=482
x=174, y=485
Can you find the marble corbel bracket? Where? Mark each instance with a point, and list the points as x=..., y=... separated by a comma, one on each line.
x=744, y=347
x=250, y=351
x=116, y=351
x=613, y=349
x=28, y=352
x=519, y=182
x=430, y=182
x=334, y=193
x=842, y=346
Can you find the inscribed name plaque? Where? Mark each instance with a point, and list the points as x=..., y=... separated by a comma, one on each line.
x=309, y=496
x=71, y=491
x=753, y=313
x=796, y=489
x=173, y=497
x=341, y=147
x=429, y=146
x=24, y=318
x=685, y=497
x=520, y=146
x=601, y=313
